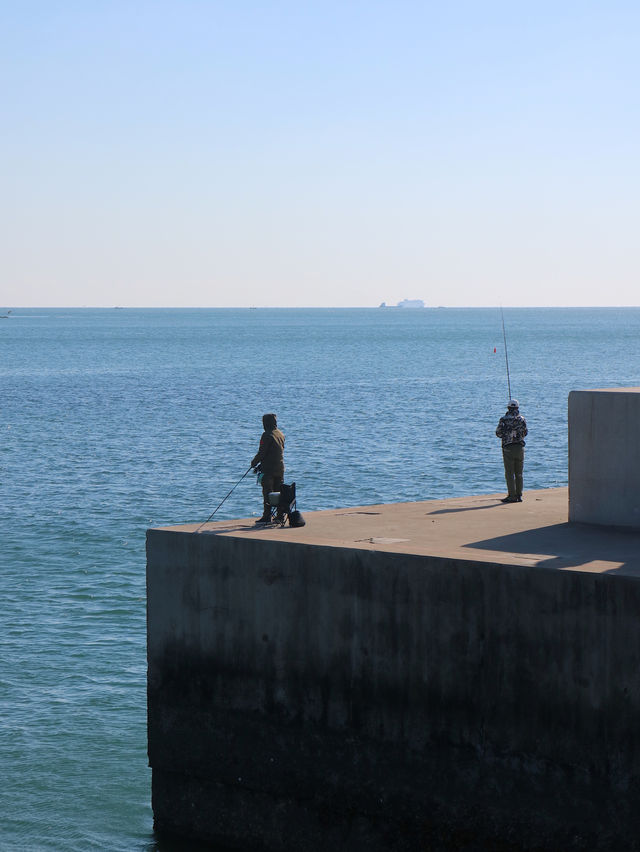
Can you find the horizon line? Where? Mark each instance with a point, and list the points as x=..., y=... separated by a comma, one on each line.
x=311, y=307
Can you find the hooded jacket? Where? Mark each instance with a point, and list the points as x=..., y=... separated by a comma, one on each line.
x=512, y=428
x=270, y=456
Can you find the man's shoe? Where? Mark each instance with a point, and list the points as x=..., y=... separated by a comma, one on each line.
x=519, y=498
x=265, y=519
x=509, y=500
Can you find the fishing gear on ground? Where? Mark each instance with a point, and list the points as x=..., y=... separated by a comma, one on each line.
x=283, y=502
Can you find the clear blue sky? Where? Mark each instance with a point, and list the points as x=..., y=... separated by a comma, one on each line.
x=319, y=153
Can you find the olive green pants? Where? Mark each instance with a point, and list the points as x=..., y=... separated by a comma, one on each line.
x=513, y=457
x=269, y=483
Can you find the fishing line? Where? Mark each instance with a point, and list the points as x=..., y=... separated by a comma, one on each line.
x=506, y=356
x=224, y=498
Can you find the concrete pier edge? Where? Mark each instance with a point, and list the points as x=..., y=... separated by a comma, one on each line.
x=452, y=674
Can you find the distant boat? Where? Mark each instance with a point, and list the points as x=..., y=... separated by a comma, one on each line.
x=5, y=316
x=406, y=303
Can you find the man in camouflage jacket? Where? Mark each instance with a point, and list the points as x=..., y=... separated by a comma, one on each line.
x=512, y=429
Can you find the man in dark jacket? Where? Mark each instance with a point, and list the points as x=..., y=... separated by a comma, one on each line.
x=270, y=460
x=512, y=429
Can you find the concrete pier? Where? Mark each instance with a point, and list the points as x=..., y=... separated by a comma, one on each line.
x=456, y=674
x=604, y=457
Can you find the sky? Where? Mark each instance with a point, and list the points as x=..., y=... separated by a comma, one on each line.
x=319, y=153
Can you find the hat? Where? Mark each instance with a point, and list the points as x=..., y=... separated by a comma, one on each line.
x=513, y=403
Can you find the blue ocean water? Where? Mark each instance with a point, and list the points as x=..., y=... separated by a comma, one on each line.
x=117, y=420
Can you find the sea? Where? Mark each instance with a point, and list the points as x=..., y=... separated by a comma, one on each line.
x=117, y=420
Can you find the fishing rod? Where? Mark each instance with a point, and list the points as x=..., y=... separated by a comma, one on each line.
x=506, y=356
x=224, y=498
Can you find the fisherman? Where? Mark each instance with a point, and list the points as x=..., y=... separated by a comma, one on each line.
x=269, y=461
x=512, y=429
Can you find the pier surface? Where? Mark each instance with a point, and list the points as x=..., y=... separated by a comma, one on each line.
x=443, y=675
x=479, y=529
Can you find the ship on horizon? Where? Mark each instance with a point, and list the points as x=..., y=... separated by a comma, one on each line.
x=405, y=303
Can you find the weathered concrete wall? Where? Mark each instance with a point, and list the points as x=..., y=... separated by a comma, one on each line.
x=309, y=698
x=604, y=457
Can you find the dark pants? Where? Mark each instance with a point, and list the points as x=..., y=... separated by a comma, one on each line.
x=513, y=457
x=269, y=483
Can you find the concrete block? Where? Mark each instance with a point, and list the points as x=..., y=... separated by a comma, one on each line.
x=447, y=675
x=604, y=457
